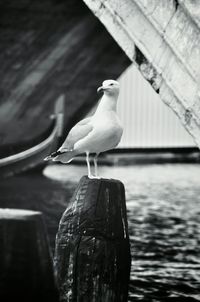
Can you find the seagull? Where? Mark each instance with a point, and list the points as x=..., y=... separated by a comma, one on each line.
x=95, y=134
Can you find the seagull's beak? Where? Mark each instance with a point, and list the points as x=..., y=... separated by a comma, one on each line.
x=100, y=89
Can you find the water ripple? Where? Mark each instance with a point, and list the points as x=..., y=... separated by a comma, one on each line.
x=163, y=204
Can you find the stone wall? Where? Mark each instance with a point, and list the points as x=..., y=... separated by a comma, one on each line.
x=163, y=39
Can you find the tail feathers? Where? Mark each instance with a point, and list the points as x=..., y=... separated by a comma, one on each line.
x=52, y=155
x=64, y=157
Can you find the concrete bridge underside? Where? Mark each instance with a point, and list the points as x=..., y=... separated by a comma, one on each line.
x=49, y=48
x=163, y=39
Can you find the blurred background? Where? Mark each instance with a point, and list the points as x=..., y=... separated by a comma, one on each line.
x=54, y=55
x=148, y=122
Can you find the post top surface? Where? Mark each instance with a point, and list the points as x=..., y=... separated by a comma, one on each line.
x=96, y=180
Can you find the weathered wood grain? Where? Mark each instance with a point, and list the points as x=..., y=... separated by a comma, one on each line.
x=92, y=255
x=26, y=270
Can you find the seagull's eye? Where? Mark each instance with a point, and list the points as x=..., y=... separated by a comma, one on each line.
x=111, y=84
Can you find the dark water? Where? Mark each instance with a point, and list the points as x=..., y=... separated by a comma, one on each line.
x=163, y=203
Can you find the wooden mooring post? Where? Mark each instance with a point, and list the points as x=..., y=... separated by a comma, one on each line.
x=26, y=266
x=92, y=256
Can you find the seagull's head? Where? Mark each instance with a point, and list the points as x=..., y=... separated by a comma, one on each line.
x=109, y=87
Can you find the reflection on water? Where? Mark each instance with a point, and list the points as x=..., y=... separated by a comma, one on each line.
x=165, y=237
x=163, y=203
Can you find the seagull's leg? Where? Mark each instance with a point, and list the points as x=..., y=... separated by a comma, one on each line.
x=95, y=165
x=88, y=165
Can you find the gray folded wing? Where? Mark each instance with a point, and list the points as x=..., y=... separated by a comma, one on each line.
x=79, y=131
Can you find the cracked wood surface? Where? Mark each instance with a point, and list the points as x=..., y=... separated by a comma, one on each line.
x=92, y=255
x=163, y=39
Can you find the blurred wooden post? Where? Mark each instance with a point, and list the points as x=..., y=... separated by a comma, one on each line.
x=26, y=268
x=92, y=256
